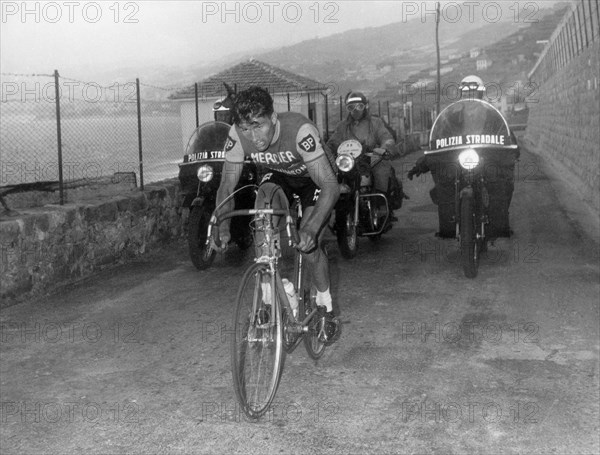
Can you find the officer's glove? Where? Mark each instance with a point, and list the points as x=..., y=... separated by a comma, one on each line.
x=414, y=171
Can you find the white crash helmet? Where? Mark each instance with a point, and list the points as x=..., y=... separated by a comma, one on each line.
x=472, y=83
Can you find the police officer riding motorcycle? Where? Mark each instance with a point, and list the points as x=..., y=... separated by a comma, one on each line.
x=363, y=147
x=199, y=178
x=472, y=155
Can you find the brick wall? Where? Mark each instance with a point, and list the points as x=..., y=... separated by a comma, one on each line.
x=564, y=125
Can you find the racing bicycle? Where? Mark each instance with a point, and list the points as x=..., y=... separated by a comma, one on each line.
x=266, y=324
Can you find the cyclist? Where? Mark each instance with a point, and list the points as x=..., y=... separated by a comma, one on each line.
x=287, y=145
x=372, y=133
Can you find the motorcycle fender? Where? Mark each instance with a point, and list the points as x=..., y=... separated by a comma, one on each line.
x=467, y=191
x=198, y=201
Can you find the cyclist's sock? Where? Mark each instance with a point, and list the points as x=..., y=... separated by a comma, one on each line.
x=324, y=299
x=266, y=293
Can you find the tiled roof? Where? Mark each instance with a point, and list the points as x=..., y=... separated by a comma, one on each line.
x=251, y=72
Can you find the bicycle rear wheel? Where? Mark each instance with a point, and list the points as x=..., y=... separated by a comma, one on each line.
x=306, y=305
x=257, y=345
x=314, y=347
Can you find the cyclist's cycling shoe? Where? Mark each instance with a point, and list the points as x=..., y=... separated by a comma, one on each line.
x=329, y=327
x=263, y=315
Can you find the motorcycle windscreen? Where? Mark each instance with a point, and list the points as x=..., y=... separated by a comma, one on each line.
x=207, y=142
x=470, y=123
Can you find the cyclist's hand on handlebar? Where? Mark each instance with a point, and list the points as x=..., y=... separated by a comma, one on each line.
x=308, y=241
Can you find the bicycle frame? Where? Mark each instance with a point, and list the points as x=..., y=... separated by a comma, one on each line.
x=269, y=328
x=272, y=259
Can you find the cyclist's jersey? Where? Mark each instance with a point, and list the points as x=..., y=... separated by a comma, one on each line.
x=295, y=143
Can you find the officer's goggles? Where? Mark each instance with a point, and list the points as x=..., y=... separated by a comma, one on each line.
x=219, y=106
x=355, y=107
x=470, y=86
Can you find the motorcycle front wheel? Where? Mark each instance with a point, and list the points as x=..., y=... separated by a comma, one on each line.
x=469, y=245
x=345, y=231
x=201, y=255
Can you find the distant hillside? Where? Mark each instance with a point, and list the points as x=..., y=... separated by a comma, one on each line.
x=509, y=60
x=369, y=58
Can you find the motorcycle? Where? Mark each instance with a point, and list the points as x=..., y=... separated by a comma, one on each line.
x=360, y=212
x=199, y=178
x=472, y=155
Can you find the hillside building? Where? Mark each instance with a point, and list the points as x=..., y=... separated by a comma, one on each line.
x=290, y=92
x=483, y=62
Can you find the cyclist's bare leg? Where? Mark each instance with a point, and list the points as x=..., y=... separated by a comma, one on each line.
x=329, y=326
x=318, y=262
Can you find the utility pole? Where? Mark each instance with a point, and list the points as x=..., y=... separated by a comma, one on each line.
x=437, y=48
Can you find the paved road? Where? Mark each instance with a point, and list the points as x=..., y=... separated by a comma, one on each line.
x=136, y=359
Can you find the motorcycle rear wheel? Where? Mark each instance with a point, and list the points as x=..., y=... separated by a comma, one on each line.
x=201, y=255
x=469, y=245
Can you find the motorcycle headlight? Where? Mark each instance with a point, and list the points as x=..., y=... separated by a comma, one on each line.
x=344, y=163
x=205, y=173
x=469, y=159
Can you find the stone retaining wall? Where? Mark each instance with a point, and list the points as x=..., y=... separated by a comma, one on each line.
x=564, y=125
x=52, y=245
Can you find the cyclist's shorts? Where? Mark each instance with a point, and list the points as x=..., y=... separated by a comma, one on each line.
x=304, y=187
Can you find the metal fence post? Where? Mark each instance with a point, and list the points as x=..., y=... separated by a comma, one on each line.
x=326, y=117
x=139, y=115
x=341, y=109
x=288, y=101
x=388, y=112
x=196, y=97
x=59, y=138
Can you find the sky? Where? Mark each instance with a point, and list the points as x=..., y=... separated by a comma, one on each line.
x=38, y=37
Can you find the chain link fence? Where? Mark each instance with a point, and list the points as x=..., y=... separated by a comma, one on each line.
x=59, y=133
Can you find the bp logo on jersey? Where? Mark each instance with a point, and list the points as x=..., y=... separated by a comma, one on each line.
x=308, y=144
x=229, y=144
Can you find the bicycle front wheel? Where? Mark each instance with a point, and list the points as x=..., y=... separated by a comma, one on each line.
x=257, y=345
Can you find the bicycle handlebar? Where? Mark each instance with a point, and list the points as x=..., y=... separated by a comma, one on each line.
x=215, y=221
